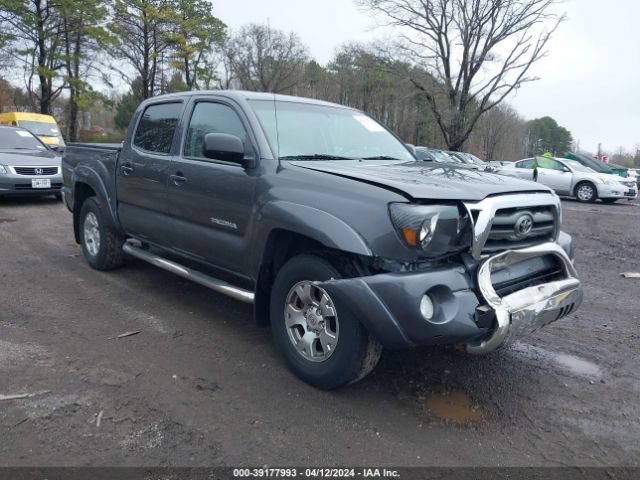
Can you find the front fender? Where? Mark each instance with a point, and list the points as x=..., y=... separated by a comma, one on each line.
x=322, y=226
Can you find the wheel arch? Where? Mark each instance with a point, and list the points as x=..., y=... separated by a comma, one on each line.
x=281, y=245
x=88, y=183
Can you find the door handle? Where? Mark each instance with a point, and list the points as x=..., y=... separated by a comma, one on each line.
x=178, y=178
x=126, y=169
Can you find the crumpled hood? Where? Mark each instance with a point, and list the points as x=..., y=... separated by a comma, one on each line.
x=428, y=182
x=44, y=159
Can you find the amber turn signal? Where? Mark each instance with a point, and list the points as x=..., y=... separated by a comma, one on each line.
x=410, y=237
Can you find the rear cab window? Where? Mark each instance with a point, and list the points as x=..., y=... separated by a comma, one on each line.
x=157, y=127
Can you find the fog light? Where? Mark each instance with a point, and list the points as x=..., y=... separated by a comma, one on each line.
x=426, y=307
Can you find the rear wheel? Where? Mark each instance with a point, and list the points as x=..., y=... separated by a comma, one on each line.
x=320, y=340
x=586, y=192
x=101, y=243
x=609, y=200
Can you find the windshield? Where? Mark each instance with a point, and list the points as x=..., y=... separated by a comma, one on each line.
x=444, y=157
x=15, y=139
x=320, y=132
x=41, y=128
x=578, y=167
x=473, y=159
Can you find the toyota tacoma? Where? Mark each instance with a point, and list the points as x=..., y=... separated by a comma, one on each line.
x=328, y=224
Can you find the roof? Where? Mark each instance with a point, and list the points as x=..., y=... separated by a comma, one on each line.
x=247, y=95
x=29, y=116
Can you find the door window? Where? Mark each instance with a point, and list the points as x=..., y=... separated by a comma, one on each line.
x=549, y=164
x=209, y=117
x=157, y=126
x=526, y=164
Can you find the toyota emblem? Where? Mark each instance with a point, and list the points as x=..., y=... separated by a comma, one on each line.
x=38, y=171
x=524, y=225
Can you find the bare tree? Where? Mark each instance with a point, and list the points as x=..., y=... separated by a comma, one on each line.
x=479, y=51
x=266, y=59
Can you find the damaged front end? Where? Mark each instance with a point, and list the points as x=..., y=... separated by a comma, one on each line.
x=491, y=296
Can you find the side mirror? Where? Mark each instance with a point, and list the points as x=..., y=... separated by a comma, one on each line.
x=223, y=146
x=411, y=148
x=565, y=170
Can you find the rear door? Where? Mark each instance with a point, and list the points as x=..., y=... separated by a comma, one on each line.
x=211, y=200
x=143, y=170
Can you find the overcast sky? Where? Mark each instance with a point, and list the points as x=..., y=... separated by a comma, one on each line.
x=590, y=82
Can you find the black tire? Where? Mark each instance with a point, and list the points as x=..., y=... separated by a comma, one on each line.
x=109, y=254
x=58, y=196
x=355, y=354
x=609, y=200
x=586, y=199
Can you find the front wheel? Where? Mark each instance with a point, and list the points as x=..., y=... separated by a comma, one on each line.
x=320, y=340
x=586, y=192
x=101, y=243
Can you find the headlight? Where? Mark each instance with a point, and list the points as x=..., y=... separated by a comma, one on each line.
x=433, y=230
x=3, y=170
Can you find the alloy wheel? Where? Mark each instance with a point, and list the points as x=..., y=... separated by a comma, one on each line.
x=312, y=321
x=91, y=234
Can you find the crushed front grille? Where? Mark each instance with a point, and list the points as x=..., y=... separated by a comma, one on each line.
x=528, y=273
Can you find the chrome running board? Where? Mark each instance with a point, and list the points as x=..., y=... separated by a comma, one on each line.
x=190, y=274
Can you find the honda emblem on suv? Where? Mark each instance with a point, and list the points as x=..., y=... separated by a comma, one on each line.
x=38, y=171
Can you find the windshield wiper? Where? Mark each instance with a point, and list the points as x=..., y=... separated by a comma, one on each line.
x=315, y=156
x=380, y=157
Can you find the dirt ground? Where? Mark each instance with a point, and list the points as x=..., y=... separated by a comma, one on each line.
x=200, y=384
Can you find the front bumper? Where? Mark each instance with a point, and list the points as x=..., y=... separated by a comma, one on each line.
x=618, y=191
x=467, y=308
x=527, y=310
x=12, y=184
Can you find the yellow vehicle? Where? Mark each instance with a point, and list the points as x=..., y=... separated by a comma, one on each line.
x=42, y=126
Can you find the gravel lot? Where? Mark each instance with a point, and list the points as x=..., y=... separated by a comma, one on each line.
x=201, y=385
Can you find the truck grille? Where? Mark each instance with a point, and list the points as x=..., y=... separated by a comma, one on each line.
x=35, y=171
x=520, y=228
x=513, y=221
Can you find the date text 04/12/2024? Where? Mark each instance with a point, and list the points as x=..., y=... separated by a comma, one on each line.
x=315, y=473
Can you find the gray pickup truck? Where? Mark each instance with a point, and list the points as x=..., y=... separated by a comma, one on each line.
x=344, y=242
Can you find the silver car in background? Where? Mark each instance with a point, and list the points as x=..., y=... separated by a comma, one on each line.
x=571, y=178
x=28, y=166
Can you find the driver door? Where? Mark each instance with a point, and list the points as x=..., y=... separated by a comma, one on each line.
x=555, y=175
x=211, y=200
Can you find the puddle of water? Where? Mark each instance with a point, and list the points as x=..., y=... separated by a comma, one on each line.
x=7, y=220
x=576, y=365
x=454, y=406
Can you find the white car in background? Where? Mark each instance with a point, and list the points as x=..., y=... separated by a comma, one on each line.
x=571, y=178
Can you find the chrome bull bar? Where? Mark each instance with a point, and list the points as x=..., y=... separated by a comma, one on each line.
x=527, y=310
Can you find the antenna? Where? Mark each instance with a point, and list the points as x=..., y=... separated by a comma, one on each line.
x=275, y=113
